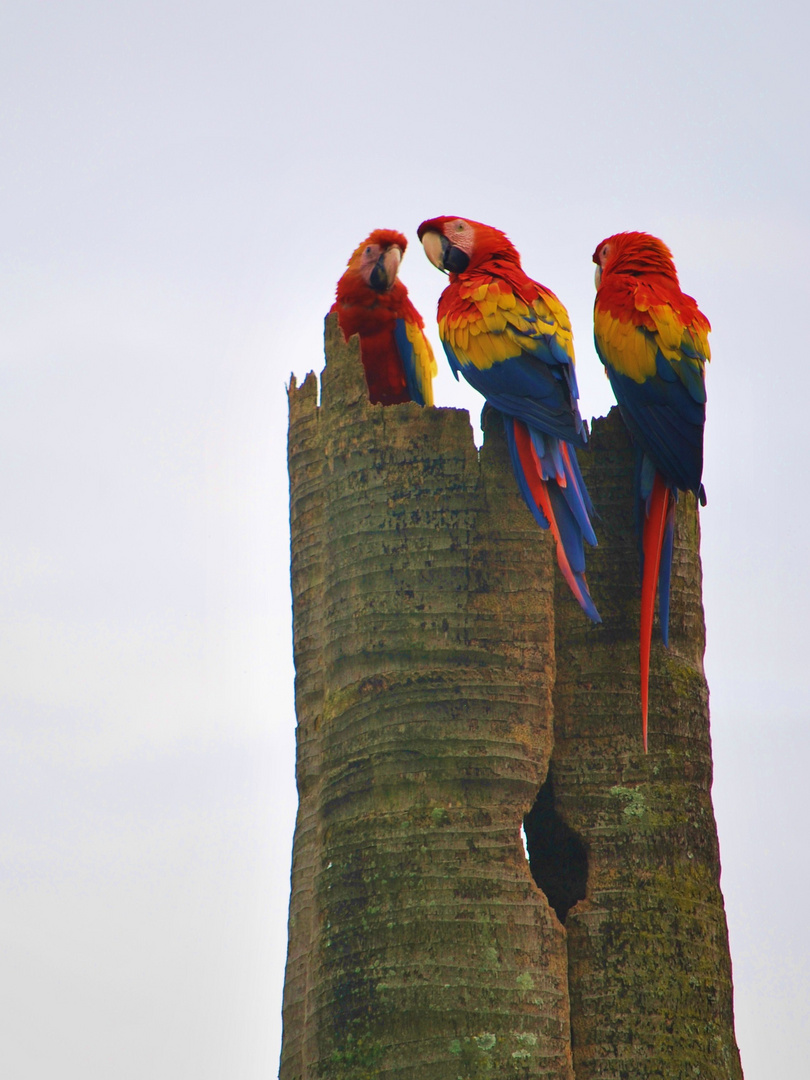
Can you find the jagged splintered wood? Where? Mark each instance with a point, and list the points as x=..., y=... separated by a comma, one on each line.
x=444, y=676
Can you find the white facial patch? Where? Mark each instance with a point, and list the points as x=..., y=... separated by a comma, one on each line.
x=368, y=260
x=461, y=234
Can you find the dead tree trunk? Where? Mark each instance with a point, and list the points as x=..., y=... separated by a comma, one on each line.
x=428, y=691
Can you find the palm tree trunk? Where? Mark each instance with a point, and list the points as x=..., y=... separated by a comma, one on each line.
x=447, y=687
x=419, y=945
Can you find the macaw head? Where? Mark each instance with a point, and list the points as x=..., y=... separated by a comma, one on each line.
x=634, y=253
x=454, y=244
x=376, y=261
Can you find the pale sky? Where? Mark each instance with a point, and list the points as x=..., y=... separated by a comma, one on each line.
x=182, y=185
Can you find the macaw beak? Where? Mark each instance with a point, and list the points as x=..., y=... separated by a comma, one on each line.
x=445, y=257
x=384, y=272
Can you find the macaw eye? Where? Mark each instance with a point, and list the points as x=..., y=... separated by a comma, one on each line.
x=460, y=226
x=368, y=251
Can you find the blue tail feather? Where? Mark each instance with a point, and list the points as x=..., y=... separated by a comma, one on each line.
x=567, y=503
x=583, y=491
x=555, y=464
x=568, y=527
x=665, y=570
x=517, y=468
x=578, y=499
x=645, y=474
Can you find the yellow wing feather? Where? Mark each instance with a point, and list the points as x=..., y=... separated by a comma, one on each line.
x=425, y=364
x=630, y=350
x=496, y=325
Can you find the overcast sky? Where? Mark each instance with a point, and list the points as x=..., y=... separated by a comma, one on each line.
x=181, y=186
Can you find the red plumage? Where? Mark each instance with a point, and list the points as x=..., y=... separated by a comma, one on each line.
x=637, y=272
x=370, y=299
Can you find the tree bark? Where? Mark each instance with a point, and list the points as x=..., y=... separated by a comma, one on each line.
x=649, y=966
x=444, y=677
x=419, y=944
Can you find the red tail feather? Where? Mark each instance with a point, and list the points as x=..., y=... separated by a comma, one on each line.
x=539, y=490
x=652, y=541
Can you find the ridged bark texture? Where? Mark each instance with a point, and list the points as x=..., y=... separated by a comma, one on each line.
x=649, y=966
x=419, y=945
x=438, y=657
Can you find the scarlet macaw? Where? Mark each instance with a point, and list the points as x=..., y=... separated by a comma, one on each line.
x=653, y=341
x=372, y=302
x=511, y=339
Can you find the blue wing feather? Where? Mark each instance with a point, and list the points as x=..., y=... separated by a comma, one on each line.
x=667, y=421
x=530, y=391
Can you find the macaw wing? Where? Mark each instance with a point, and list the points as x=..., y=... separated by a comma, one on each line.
x=667, y=423
x=681, y=349
x=417, y=360
x=530, y=391
x=656, y=371
x=519, y=355
x=652, y=340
